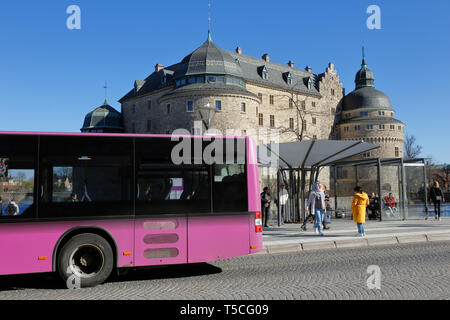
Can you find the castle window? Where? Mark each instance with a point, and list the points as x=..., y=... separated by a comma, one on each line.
x=291, y=103
x=332, y=92
x=313, y=104
x=364, y=114
x=397, y=152
x=303, y=105
x=310, y=83
x=190, y=106
x=168, y=109
x=381, y=113
x=134, y=108
x=399, y=128
x=381, y=126
x=291, y=123
x=163, y=79
x=271, y=99
x=243, y=107
x=200, y=79
x=191, y=80
x=260, y=96
x=304, y=125
x=220, y=79
x=289, y=78
x=149, y=125
x=392, y=127
x=183, y=82
x=272, y=121
x=369, y=127
x=149, y=104
x=346, y=129
x=357, y=128
x=261, y=119
x=219, y=105
x=211, y=79
x=229, y=80
x=265, y=73
x=314, y=121
x=178, y=83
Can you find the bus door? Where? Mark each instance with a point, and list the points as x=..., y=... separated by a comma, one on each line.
x=166, y=195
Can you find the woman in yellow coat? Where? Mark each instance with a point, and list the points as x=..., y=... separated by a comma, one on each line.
x=359, y=205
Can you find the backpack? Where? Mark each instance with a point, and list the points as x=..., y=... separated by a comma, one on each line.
x=11, y=210
x=318, y=204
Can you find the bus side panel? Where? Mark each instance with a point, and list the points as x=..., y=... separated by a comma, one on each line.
x=29, y=247
x=216, y=238
x=160, y=241
x=254, y=201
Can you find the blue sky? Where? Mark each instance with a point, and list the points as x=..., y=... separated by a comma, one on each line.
x=50, y=77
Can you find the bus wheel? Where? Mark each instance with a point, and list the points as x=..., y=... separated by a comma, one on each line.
x=86, y=260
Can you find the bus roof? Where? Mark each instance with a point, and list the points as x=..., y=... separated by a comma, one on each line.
x=82, y=134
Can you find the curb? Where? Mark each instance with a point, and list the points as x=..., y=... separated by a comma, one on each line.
x=357, y=243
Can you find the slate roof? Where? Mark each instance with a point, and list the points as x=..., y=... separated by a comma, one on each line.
x=103, y=117
x=210, y=59
x=366, y=97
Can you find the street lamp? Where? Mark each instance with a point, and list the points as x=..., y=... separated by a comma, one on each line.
x=207, y=114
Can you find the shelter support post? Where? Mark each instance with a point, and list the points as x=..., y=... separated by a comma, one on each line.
x=379, y=188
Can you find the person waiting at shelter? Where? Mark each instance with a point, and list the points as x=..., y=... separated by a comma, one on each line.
x=266, y=200
x=316, y=204
x=374, y=206
x=284, y=196
x=390, y=204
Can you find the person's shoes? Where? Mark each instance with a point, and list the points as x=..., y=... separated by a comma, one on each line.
x=426, y=218
x=316, y=231
x=439, y=219
x=358, y=235
x=321, y=234
x=303, y=227
x=326, y=228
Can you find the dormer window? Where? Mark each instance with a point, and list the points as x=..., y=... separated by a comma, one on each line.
x=309, y=82
x=265, y=73
x=288, y=76
x=163, y=79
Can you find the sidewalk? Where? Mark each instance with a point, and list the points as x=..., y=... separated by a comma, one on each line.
x=290, y=238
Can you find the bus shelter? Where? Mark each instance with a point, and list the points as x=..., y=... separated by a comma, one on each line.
x=399, y=186
x=299, y=164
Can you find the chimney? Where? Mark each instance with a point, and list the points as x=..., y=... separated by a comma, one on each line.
x=308, y=68
x=265, y=57
x=238, y=50
x=159, y=67
x=291, y=63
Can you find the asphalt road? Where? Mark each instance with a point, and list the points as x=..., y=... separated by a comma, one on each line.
x=413, y=271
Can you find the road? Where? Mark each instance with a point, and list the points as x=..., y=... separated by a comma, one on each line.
x=414, y=271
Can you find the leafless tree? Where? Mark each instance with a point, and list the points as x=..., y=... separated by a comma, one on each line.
x=412, y=149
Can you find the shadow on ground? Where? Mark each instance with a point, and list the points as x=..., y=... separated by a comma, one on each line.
x=52, y=280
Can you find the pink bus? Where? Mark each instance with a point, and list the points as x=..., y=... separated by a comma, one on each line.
x=83, y=205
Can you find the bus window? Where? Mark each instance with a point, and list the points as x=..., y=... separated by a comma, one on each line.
x=17, y=176
x=173, y=190
x=229, y=188
x=85, y=177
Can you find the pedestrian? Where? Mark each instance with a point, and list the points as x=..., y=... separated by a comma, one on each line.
x=316, y=204
x=284, y=196
x=374, y=204
x=327, y=198
x=436, y=197
x=266, y=200
x=359, y=206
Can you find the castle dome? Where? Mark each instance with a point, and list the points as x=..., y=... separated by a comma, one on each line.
x=365, y=96
x=209, y=59
x=104, y=119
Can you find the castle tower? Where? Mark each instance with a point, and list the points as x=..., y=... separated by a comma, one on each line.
x=367, y=114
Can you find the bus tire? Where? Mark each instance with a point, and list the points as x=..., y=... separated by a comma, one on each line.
x=86, y=260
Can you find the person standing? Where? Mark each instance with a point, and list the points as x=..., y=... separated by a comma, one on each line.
x=327, y=198
x=436, y=197
x=266, y=199
x=284, y=196
x=359, y=206
x=316, y=204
